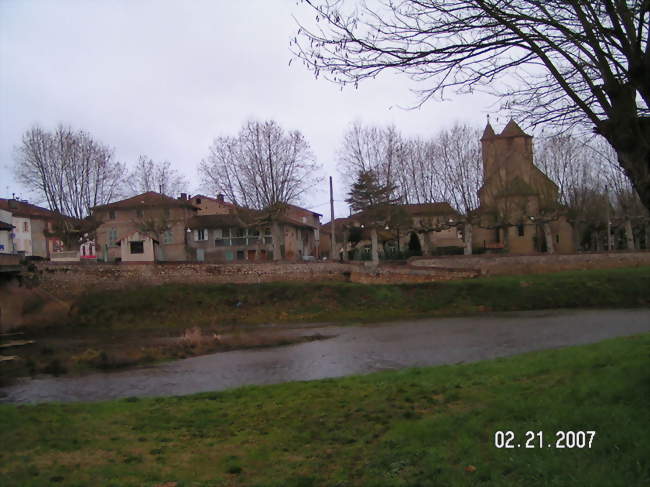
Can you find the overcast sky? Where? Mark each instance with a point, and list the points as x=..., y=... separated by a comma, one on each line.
x=165, y=78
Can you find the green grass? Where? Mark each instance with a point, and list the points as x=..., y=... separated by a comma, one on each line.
x=213, y=306
x=416, y=427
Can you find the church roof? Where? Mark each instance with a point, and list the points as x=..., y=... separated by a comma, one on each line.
x=513, y=130
x=488, y=132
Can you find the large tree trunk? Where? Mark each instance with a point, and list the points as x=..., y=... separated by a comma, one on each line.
x=425, y=246
x=468, y=238
x=276, y=233
x=374, y=246
x=629, y=135
x=548, y=237
x=629, y=235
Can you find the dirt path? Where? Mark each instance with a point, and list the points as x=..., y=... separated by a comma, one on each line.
x=354, y=350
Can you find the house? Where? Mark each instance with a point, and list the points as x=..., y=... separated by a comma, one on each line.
x=158, y=222
x=233, y=233
x=139, y=247
x=6, y=237
x=417, y=228
x=207, y=205
x=519, y=210
x=34, y=227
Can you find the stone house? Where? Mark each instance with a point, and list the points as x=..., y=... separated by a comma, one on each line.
x=147, y=217
x=33, y=233
x=519, y=210
x=233, y=233
x=432, y=225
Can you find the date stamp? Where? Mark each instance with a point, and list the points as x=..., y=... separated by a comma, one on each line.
x=536, y=439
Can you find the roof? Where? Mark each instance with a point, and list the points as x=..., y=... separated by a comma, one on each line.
x=144, y=236
x=488, y=132
x=303, y=209
x=513, y=130
x=216, y=221
x=243, y=217
x=150, y=199
x=26, y=210
x=221, y=202
x=438, y=209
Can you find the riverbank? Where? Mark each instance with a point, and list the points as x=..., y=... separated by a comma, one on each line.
x=428, y=426
x=122, y=328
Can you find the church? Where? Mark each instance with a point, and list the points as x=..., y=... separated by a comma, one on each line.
x=519, y=211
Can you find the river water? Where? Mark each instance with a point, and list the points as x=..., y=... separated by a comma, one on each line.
x=351, y=350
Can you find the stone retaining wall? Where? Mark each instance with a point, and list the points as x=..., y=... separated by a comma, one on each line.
x=70, y=279
x=533, y=264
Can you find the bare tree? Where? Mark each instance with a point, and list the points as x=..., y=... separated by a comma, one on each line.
x=628, y=211
x=264, y=168
x=560, y=62
x=68, y=170
x=372, y=148
x=260, y=167
x=148, y=175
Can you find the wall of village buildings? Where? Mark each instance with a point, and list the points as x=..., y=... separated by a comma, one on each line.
x=494, y=265
x=120, y=223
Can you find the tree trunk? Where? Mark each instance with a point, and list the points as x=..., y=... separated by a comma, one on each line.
x=277, y=241
x=629, y=235
x=629, y=134
x=424, y=243
x=548, y=237
x=468, y=238
x=374, y=249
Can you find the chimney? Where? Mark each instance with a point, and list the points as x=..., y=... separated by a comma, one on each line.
x=220, y=198
x=183, y=197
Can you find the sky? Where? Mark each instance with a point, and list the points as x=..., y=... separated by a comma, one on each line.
x=165, y=78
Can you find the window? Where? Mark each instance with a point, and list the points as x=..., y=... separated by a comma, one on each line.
x=111, y=214
x=137, y=247
x=166, y=212
x=557, y=238
x=268, y=238
x=520, y=229
x=240, y=255
x=112, y=236
x=139, y=213
x=198, y=201
x=25, y=226
x=168, y=237
x=200, y=234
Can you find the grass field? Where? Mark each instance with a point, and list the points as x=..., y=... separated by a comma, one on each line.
x=417, y=427
x=122, y=328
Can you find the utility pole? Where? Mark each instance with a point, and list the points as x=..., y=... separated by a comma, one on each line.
x=609, y=223
x=333, y=236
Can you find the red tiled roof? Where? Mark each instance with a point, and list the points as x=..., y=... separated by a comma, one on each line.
x=304, y=209
x=150, y=199
x=26, y=210
x=225, y=203
x=442, y=208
